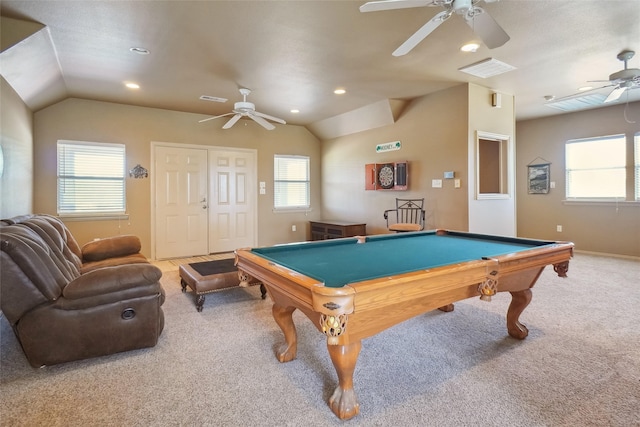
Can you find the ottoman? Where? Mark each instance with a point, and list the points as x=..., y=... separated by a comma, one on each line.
x=213, y=276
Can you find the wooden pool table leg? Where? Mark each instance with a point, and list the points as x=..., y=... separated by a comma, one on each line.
x=283, y=317
x=519, y=301
x=344, y=402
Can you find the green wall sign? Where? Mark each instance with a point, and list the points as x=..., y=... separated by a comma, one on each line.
x=388, y=146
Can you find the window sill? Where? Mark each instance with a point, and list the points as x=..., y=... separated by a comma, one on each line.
x=94, y=217
x=600, y=202
x=291, y=210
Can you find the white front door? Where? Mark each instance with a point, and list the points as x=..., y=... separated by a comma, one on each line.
x=181, y=202
x=233, y=209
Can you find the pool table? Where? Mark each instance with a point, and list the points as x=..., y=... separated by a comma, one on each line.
x=353, y=288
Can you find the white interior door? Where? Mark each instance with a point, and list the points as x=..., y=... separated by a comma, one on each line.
x=233, y=214
x=181, y=205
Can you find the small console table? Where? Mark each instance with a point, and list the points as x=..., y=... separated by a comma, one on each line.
x=323, y=230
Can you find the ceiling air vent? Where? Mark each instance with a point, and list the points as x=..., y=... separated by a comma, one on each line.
x=213, y=98
x=578, y=102
x=487, y=68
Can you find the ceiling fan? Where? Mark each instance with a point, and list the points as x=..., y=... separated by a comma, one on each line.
x=247, y=109
x=623, y=80
x=482, y=24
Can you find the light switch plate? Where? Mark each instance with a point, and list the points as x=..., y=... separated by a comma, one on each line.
x=436, y=183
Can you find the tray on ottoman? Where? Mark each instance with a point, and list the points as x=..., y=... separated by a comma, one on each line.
x=213, y=276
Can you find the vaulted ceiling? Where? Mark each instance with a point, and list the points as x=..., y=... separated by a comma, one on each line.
x=293, y=54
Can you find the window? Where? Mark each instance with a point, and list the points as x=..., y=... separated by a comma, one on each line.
x=90, y=178
x=291, y=185
x=595, y=168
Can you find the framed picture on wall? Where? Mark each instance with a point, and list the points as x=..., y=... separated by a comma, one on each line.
x=538, y=178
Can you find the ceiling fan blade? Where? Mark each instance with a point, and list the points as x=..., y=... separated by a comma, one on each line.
x=615, y=94
x=262, y=122
x=268, y=117
x=422, y=33
x=214, y=117
x=232, y=121
x=579, y=94
x=485, y=27
x=375, y=6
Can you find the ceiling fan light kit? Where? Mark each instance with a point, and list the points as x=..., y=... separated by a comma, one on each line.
x=621, y=81
x=481, y=23
x=247, y=109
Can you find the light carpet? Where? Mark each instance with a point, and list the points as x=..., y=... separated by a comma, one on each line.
x=579, y=366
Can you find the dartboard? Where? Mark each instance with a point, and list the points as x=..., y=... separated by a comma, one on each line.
x=385, y=176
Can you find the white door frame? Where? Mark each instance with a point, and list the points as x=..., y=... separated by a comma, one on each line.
x=209, y=148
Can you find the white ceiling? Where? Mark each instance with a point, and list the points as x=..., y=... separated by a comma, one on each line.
x=293, y=54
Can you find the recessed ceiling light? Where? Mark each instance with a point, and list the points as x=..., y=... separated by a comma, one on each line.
x=132, y=85
x=140, y=50
x=339, y=91
x=295, y=111
x=470, y=47
x=583, y=88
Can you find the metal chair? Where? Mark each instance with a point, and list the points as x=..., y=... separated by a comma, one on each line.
x=407, y=216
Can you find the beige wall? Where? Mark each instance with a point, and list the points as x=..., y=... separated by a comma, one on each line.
x=490, y=216
x=137, y=127
x=16, y=138
x=433, y=133
x=608, y=228
x=432, y=130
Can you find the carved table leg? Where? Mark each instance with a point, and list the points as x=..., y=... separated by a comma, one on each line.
x=263, y=290
x=561, y=269
x=446, y=308
x=344, y=402
x=519, y=301
x=284, y=319
x=199, y=302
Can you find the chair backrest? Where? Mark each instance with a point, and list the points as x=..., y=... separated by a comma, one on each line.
x=409, y=211
x=409, y=215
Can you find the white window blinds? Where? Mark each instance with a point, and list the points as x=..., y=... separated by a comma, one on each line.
x=291, y=182
x=91, y=178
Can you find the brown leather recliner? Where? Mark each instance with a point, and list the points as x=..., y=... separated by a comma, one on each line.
x=68, y=303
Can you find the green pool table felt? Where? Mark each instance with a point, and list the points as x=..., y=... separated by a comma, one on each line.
x=342, y=261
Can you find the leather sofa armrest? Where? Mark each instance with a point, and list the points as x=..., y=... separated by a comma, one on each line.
x=111, y=247
x=112, y=279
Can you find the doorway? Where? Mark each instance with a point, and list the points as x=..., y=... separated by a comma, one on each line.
x=203, y=200
x=233, y=218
